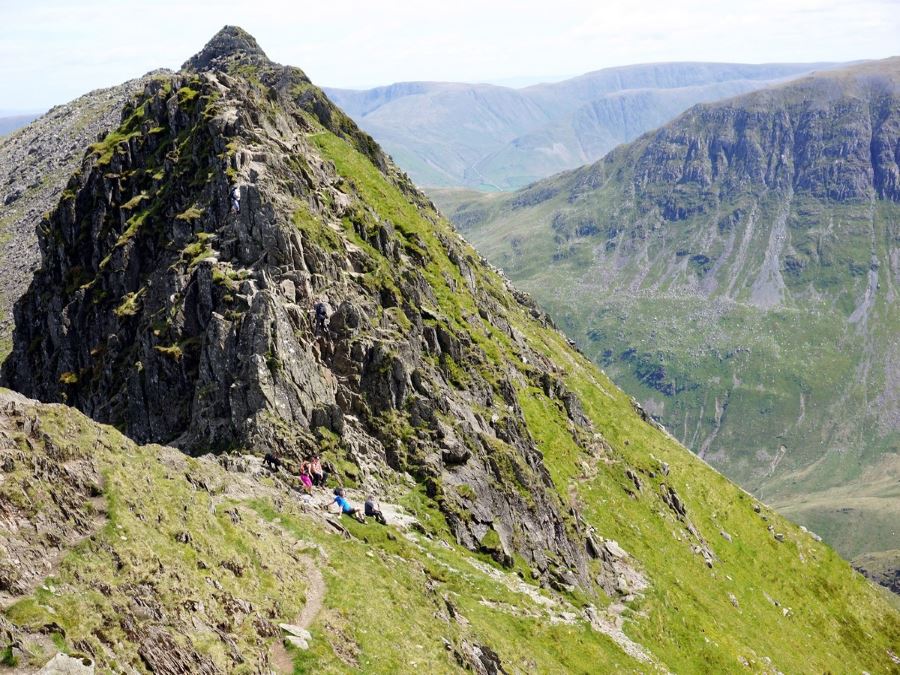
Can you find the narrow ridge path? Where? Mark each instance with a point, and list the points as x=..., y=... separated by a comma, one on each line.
x=279, y=657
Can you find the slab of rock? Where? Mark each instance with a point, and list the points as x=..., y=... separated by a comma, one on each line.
x=63, y=664
x=297, y=642
x=296, y=631
x=613, y=549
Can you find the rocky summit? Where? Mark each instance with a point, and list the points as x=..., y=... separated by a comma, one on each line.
x=159, y=310
x=238, y=271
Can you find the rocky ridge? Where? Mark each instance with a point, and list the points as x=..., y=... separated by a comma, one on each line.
x=35, y=163
x=157, y=310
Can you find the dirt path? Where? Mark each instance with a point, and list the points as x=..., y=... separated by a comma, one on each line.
x=315, y=595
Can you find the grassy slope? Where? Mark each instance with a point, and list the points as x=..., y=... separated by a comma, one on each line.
x=827, y=618
x=747, y=382
x=150, y=502
x=644, y=528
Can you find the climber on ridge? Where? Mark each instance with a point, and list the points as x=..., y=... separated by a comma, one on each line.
x=235, y=199
x=321, y=315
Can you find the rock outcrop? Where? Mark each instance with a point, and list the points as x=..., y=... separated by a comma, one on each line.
x=35, y=164
x=882, y=567
x=55, y=488
x=160, y=311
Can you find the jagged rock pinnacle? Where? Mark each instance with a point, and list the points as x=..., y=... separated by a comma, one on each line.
x=232, y=43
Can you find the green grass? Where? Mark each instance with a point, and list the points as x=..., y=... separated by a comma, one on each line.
x=684, y=625
x=680, y=617
x=130, y=305
x=198, y=250
x=190, y=214
x=137, y=553
x=174, y=352
x=7, y=658
x=370, y=576
x=685, y=618
x=112, y=142
x=732, y=381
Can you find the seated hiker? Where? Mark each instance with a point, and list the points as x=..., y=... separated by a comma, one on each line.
x=270, y=461
x=321, y=314
x=317, y=472
x=342, y=502
x=235, y=199
x=305, y=478
x=373, y=509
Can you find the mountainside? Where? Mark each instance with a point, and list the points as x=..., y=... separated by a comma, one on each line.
x=737, y=270
x=539, y=521
x=35, y=163
x=496, y=138
x=140, y=559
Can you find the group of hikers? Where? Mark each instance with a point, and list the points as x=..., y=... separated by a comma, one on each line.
x=371, y=507
x=313, y=475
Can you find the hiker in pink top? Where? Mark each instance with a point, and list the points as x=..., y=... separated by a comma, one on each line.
x=305, y=478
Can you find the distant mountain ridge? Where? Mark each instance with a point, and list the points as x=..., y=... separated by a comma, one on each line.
x=10, y=123
x=738, y=271
x=498, y=138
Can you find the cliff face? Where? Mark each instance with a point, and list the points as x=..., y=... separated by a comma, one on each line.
x=35, y=163
x=830, y=137
x=737, y=271
x=158, y=310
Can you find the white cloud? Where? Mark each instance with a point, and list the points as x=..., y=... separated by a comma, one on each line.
x=54, y=50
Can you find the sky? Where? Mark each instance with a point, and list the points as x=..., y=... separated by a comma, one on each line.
x=52, y=51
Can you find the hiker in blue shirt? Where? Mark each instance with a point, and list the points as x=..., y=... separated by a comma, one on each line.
x=341, y=501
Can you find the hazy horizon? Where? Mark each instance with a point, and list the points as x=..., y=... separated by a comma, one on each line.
x=52, y=51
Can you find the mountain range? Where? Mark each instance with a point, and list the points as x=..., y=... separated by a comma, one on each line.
x=539, y=519
x=737, y=271
x=497, y=138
